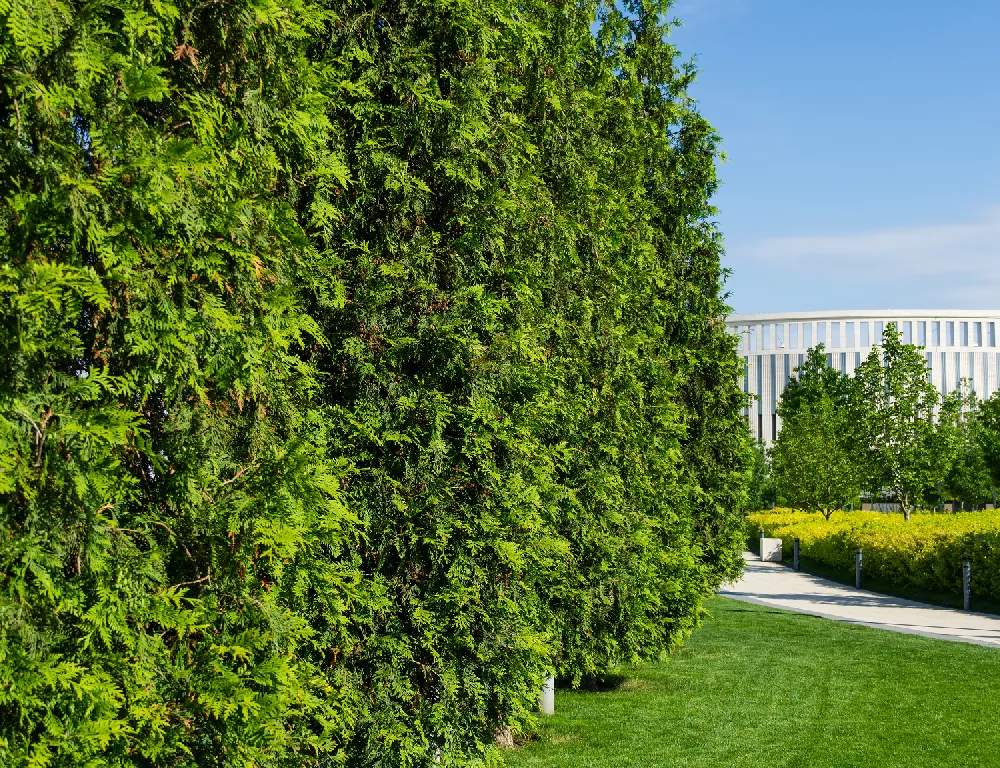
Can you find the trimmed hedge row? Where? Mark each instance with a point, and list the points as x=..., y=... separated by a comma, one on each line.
x=927, y=552
x=364, y=365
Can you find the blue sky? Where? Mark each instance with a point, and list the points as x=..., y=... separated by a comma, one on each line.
x=863, y=143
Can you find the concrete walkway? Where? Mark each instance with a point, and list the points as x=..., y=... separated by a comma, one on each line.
x=778, y=586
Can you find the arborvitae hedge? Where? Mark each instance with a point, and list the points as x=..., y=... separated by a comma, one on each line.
x=176, y=559
x=365, y=364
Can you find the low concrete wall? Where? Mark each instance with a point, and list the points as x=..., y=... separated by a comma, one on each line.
x=770, y=550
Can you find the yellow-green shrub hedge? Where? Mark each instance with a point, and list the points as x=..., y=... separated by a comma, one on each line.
x=927, y=552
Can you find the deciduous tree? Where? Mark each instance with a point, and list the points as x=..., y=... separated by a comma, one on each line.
x=812, y=464
x=893, y=413
x=987, y=434
x=813, y=381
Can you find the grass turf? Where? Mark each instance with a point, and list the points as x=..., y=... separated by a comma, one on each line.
x=756, y=686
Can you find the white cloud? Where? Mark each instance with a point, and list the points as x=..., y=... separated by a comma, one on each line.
x=960, y=263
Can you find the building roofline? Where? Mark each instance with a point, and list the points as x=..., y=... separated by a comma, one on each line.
x=857, y=314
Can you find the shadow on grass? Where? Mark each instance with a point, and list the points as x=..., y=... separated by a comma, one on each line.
x=764, y=611
x=595, y=683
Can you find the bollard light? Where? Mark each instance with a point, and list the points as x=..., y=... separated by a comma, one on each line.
x=857, y=570
x=967, y=585
x=796, y=558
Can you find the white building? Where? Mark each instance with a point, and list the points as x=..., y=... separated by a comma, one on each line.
x=959, y=344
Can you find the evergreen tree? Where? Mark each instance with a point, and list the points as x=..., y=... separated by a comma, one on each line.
x=177, y=563
x=528, y=368
x=366, y=364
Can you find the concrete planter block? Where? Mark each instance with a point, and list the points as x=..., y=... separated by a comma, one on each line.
x=770, y=550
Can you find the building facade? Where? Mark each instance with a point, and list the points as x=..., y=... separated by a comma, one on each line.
x=958, y=344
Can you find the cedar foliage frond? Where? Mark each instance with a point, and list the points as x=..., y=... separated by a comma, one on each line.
x=363, y=365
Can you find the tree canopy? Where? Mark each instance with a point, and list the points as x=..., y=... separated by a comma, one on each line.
x=894, y=418
x=813, y=461
x=813, y=381
x=885, y=428
x=987, y=435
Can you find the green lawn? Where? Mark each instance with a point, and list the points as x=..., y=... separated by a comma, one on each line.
x=761, y=687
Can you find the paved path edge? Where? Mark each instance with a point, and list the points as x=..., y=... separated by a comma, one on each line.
x=871, y=625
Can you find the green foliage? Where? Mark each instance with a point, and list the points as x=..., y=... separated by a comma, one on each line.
x=527, y=367
x=812, y=463
x=762, y=492
x=968, y=480
x=892, y=414
x=987, y=435
x=813, y=458
x=815, y=380
x=926, y=552
x=366, y=364
x=895, y=436
x=957, y=441
x=167, y=510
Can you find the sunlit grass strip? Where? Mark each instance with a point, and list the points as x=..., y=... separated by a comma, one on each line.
x=757, y=687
